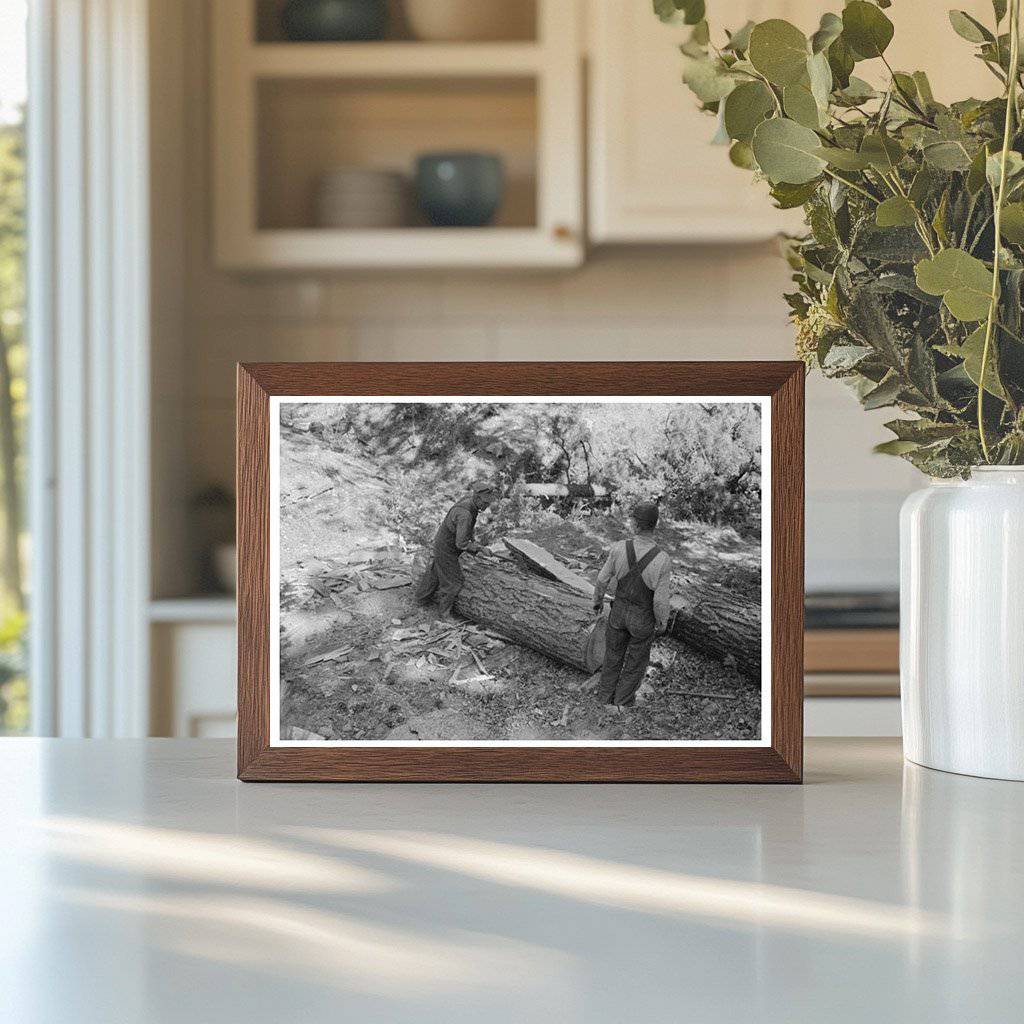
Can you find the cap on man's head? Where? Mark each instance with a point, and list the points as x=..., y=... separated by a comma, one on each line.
x=645, y=515
x=483, y=486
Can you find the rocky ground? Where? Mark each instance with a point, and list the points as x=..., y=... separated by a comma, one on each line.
x=361, y=660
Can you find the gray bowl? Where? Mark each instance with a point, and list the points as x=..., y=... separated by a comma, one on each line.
x=333, y=21
x=460, y=189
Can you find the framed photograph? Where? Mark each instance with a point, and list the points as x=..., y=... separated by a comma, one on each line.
x=563, y=572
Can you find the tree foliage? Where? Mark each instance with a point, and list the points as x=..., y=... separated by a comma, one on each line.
x=902, y=291
x=702, y=462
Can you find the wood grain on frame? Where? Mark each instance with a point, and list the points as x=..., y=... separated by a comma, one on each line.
x=782, y=761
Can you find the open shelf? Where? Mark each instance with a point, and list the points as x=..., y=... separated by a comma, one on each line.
x=286, y=114
x=307, y=128
x=520, y=23
x=393, y=60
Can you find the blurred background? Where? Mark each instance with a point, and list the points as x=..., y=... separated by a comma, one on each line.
x=360, y=180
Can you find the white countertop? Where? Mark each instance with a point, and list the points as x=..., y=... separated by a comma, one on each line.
x=140, y=882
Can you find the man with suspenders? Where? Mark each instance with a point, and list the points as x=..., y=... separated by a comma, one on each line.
x=640, y=608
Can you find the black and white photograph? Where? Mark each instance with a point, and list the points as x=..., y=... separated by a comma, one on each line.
x=520, y=571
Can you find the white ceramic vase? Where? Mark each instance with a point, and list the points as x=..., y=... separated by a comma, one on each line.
x=962, y=624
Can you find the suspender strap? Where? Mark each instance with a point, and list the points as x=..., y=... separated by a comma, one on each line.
x=636, y=568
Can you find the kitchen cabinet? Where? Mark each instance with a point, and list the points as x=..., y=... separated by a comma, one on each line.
x=654, y=177
x=288, y=114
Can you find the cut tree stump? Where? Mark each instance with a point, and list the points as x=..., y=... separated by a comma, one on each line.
x=542, y=614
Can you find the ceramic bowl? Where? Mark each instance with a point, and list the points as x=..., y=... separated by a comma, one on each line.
x=333, y=21
x=459, y=189
x=359, y=197
x=470, y=20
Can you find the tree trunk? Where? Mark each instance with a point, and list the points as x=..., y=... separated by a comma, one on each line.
x=532, y=611
x=565, y=490
x=717, y=614
x=719, y=620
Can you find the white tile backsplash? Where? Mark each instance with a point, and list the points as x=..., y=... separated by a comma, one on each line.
x=715, y=303
x=712, y=302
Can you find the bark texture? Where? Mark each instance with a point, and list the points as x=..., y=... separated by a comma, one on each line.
x=532, y=611
x=714, y=610
x=720, y=617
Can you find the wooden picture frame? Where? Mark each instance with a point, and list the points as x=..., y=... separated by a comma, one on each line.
x=779, y=759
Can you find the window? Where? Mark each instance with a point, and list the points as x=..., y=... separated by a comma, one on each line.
x=14, y=693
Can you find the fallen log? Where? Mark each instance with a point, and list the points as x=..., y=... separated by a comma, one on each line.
x=718, y=615
x=541, y=614
x=718, y=618
x=565, y=490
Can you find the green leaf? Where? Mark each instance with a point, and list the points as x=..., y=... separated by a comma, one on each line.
x=787, y=152
x=999, y=9
x=905, y=84
x=779, y=51
x=866, y=29
x=924, y=87
x=745, y=108
x=889, y=245
x=963, y=281
x=976, y=173
x=666, y=10
x=788, y=197
x=971, y=351
x=707, y=78
x=1012, y=224
x=922, y=185
x=947, y=156
x=993, y=167
x=939, y=220
x=701, y=34
x=739, y=41
x=882, y=151
x=741, y=155
x=844, y=159
x=858, y=91
x=819, y=74
x=829, y=30
x=721, y=136
x=690, y=12
x=969, y=28
x=895, y=212
x=840, y=61
x=801, y=106
x=895, y=447
x=885, y=394
x=923, y=431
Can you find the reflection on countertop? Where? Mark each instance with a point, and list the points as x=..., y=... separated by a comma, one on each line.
x=144, y=883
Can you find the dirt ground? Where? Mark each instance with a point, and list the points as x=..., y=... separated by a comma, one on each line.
x=361, y=660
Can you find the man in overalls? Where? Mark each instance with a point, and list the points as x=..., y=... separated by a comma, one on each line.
x=643, y=579
x=455, y=535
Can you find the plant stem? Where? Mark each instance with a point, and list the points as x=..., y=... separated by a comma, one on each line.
x=1011, y=109
x=853, y=185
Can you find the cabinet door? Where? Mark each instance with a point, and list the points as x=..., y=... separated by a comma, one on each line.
x=654, y=176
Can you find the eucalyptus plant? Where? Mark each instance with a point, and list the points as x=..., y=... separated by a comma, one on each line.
x=910, y=278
